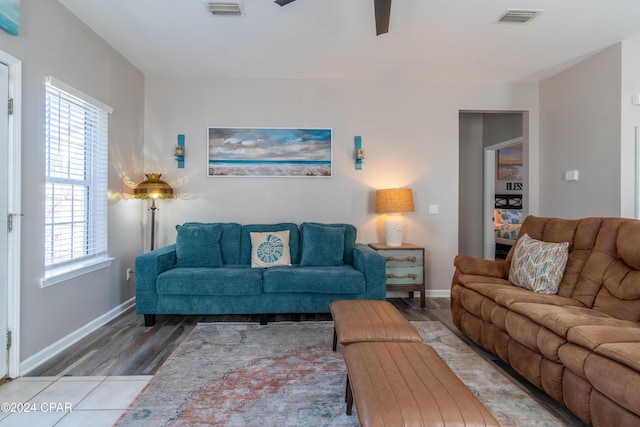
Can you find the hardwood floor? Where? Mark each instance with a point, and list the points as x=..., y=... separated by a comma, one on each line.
x=125, y=346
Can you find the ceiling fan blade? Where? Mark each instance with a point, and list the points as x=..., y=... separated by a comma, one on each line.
x=284, y=2
x=383, y=12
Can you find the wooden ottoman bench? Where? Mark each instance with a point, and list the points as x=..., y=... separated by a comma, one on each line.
x=408, y=384
x=369, y=320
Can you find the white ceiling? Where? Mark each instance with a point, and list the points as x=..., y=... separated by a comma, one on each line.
x=441, y=40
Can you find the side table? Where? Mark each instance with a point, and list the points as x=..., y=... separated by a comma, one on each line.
x=405, y=268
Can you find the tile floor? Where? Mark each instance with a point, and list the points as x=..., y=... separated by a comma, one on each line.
x=67, y=401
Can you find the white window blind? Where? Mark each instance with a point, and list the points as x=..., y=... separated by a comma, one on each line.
x=76, y=177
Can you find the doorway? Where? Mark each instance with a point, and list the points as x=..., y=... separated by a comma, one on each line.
x=477, y=131
x=490, y=192
x=10, y=170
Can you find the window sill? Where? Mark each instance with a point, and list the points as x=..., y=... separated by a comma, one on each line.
x=62, y=274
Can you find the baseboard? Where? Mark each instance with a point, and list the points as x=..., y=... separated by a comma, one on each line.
x=47, y=353
x=438, y=293
x=431, y=293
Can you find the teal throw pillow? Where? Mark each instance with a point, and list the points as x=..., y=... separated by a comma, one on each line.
x=199, y=246
x=322, y=246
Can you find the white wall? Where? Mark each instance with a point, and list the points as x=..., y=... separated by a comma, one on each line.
x=409, y=133
x=580, y=129
x=53, y=42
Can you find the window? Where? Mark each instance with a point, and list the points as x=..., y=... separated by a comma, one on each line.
x=76, y=139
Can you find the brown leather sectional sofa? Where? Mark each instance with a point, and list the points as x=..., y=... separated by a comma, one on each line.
x=581, y=346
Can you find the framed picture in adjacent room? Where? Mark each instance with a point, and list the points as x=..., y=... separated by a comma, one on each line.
x=510, y=163
x=269, y=152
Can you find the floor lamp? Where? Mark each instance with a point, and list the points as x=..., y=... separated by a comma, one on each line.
x=153, y=188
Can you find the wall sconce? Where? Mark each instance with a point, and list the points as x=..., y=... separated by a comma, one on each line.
x=359, y=152
x=180, y=151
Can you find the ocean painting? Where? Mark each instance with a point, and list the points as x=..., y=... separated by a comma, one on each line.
x=270, y=152
x=10, y=16
x=510, y=163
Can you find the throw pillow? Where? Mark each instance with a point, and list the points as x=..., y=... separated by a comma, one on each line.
x=507, y=216
x=269, y=249
x=538, y=266
x=322, y=246
x=198, y=246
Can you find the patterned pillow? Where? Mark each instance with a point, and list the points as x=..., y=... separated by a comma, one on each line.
x=508, y=216
x=537, y=265
x=508, y=231
x=269, y=249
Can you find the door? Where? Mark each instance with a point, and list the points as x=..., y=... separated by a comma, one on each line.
x=489, y=194
x=4, y=213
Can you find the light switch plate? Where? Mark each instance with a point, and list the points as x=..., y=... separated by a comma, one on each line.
x=573, y=175
x=433, y=209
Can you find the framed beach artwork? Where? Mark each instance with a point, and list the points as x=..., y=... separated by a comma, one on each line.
x=269, y=152
x=510, y=163
x=10, y=16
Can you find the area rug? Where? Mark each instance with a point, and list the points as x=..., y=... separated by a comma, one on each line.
x=285, y=374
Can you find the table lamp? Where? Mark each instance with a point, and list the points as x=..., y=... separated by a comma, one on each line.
x=153, y=188
x=394, y=202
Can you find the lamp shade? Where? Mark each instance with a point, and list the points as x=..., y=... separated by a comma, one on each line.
x=153, y=188
x=394, y=200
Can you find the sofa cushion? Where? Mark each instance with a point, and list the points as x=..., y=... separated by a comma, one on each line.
x=560, y=319
x=616, y=381
x=538, y=265
x=619, y=341
x=322, y=246
x=229, y=241
x=198, y=246
x=227, y=280
x=343, y=279
x=270, y=249
x=245, y=239
x=350, y=234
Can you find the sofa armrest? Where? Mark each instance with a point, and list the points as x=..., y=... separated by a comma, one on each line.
x=482, y=267
x=373, y=266
x=148, y=266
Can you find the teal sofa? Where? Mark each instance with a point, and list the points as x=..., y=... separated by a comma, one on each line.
x=209, y=271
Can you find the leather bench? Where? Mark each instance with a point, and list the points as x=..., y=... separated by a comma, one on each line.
x=369, y=320
x=408, y=384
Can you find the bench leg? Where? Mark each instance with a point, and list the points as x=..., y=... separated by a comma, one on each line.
x=335, y=339
x=149, y=319
x=263, y=319
x=349, y=398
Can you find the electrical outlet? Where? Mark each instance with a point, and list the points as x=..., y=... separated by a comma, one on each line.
x=129, y=274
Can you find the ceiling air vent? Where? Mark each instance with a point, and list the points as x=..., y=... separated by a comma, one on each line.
x=519, y=16
x=225, y=8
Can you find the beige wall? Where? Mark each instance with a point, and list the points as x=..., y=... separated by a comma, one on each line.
x=53, y=42
x=580, y=129
x=588, y=123
x=409, y=132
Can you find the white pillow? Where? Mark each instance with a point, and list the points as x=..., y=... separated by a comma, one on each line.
x=269, y=249
x=537, y=265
